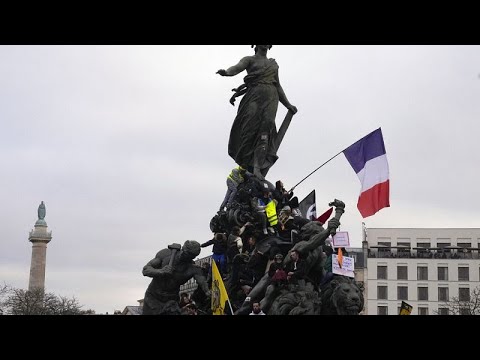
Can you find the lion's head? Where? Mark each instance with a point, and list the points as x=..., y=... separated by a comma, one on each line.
x=342, y=296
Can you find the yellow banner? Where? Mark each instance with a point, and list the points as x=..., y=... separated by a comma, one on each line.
x=219, y=293
x=405, y=309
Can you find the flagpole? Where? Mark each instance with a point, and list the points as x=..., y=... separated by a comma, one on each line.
x=305, y=178
x=333, y=157
x=229, y=304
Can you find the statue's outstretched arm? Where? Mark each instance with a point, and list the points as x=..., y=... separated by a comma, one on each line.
x=236, y=69
x=317, y=240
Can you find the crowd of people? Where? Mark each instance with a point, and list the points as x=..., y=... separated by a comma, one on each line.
x=245, y=252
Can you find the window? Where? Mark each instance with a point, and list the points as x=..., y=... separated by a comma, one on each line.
x=423, y=293
x=402, y=293
x=382, y=310
x=443, y=294
x=402, y=272
x=403, y=252
x=443, y=273
x=423, y=311
x=381, y=272
x=464, y=294
x=442, y=311
x=463, y=274
x=442, y=245
x=382, y=293
x=422, y=249
x=465, y=245
x=422, y=273
x=443, y=251
x=386, y=251
x=464, y=311
x=423, y=244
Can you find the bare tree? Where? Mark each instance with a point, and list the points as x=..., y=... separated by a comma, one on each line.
x=37, y=302
x=87, y=312
x=464, y=307
x=4, y=290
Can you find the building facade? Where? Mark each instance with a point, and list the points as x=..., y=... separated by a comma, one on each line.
x=423, y=267
x=191, y=285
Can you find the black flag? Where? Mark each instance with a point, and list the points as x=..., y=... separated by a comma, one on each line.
x=308, y=207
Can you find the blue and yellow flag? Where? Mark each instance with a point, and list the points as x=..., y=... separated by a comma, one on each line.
x=219, y=293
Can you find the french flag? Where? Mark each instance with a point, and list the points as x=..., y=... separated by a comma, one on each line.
x=369, y=160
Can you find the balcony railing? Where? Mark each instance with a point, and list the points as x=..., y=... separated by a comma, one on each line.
x=425, y=254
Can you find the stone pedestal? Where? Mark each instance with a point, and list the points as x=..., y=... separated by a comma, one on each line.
x=39, y=237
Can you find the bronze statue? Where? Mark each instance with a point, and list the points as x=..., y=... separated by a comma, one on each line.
x=342, y=296
x=41, y=211
x=254, y=140
x=313, y=237
x=169, y=269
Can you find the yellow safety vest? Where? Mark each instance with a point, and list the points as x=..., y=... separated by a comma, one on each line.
x=271, y=211
x=235, y=176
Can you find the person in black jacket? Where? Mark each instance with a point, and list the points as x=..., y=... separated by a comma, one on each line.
x=281, y=195
x=219, y=243
x=296, y=268
x=278, y=277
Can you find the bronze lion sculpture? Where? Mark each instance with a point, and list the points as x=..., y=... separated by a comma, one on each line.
x=342, y=296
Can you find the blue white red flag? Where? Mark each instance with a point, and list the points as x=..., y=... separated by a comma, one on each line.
x=368, y=159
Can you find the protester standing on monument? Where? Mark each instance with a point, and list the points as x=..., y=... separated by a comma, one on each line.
x=253, y=137
x=281, y=195
x=219, y=250
x=235, y=178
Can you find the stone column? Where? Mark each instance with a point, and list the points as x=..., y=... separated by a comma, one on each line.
x=39, y=237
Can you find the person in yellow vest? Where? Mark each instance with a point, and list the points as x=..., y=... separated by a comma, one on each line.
x=271, y=213
x=235, y=177
x=266, y=210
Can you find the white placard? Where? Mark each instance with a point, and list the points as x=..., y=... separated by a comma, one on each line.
x=341, y=239
x=347, y=268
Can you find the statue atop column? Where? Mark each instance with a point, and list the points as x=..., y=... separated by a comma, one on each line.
x=254, y=139
x=41, y=211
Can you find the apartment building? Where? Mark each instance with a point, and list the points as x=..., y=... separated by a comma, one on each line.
x=423, y=267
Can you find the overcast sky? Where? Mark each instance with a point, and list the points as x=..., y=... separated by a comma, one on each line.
x=127, y=147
